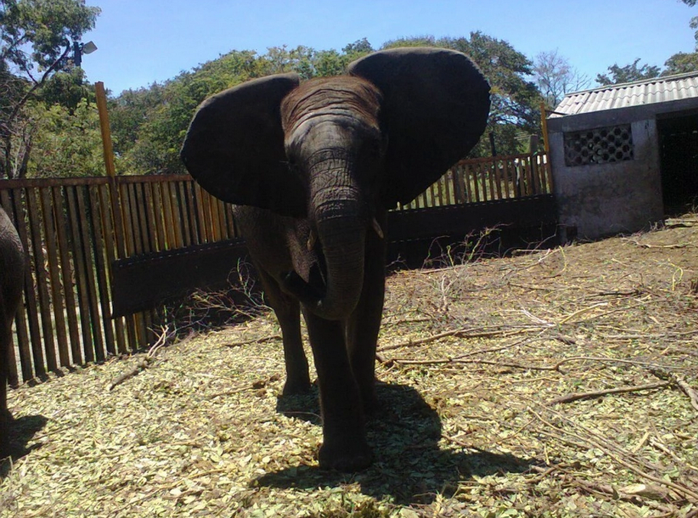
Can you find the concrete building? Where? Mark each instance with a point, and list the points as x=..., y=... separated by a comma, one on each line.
x=624, y=156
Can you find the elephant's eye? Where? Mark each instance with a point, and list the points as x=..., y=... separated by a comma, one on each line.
x=293, y=167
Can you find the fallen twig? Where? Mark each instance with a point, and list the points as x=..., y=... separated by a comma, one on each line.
x=599, y=393
x=147, y=360
x=255, y=341
x=607, y=447
x=680, y=382
x=645, y=245
x=555, y=367
x=687, y=389
x=462, y=333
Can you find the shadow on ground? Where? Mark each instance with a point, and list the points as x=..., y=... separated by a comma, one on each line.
x=15, y=436
x=409, y=467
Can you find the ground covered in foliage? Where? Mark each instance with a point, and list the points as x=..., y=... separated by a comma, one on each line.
x=558, y=382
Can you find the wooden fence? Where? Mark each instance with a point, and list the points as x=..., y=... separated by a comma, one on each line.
x=75, y=230
x=488, y=179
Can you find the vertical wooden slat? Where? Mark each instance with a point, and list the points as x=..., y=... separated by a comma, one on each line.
x=508, y=182
x=497, y=179
x=102, y=284
x=460, y=182
x=529, y=177
x=67, y=271
x=135, y=219
x=535, y=170
x=440, y=194
x=80, y=275
x=448, y=187
x=191, y=207
x=176, y=217
x=116, y=217
x=42, y=280
x=95, y=318
x=110, y=235
x=127, y=239
x=52, y=258
x=222, y=225
x=142, y=220
x=158, y=216
x=182, y=207
x=231, y=223
x=476, y=182
x=167, y=217
x=153, y=213
x=215, y=221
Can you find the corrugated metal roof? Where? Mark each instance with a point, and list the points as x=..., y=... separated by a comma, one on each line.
x=649, y=91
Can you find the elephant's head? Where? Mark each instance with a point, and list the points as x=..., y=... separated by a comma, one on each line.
x=339, y=150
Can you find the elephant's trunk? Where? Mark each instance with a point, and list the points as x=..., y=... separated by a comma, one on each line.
x=342, y=239
x=341, y=222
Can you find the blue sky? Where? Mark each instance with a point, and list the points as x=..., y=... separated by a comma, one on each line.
x=146, y=41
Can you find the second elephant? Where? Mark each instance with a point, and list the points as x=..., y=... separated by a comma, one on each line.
x=312, y=168
x=11, y=283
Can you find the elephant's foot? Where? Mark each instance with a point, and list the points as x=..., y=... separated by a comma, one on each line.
x=296, y=387
x=345, y=456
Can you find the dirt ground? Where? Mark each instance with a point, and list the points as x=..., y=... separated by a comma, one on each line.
x=558, y=382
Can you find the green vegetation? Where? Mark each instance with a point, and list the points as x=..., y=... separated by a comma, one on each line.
x=37, y=72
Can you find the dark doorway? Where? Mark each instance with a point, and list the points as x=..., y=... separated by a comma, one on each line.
x=678, y=145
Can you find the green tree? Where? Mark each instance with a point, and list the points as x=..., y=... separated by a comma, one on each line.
x=67, y=142
x=681, y=63
x=37, y=37
x=149, y=124
x=627, y=74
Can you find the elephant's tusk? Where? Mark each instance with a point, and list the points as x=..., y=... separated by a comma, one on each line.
x=311, y=241
x=377, y=228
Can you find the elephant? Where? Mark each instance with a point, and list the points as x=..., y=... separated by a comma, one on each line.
x=311, y=168
x=12, y=261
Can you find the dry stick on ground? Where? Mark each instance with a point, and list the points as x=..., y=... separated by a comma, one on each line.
x=599, y=393
x=482, y=332
x=686, y=492
x=645, y=245
x=145, y=362
x=255, y=341
x=680, y=382
x=555, y=367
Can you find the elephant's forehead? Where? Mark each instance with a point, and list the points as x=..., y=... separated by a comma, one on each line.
x=338, y=96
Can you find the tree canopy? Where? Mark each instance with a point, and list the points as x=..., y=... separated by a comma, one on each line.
x=37, y=37
x=628, y=73
x=149, y=124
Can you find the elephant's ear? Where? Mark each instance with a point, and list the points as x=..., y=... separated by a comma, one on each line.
x=234, y=147
x=435, y=108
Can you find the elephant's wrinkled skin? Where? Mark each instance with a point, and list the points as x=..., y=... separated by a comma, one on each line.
x=11, y=284
x=312, y=168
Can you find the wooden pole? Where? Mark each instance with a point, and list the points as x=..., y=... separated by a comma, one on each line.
x=106, y=132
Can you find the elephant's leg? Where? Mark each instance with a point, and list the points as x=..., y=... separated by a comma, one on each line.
x=5, y=344
x=344, y=440
x=364, y=324
x=287, y=311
